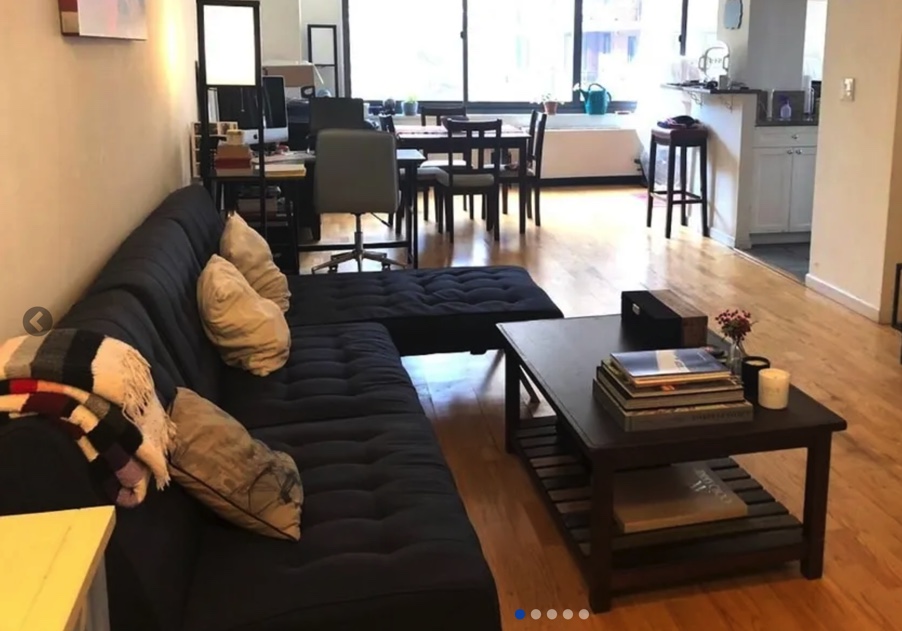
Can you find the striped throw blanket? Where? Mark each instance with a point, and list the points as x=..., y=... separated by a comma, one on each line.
x=102, y=391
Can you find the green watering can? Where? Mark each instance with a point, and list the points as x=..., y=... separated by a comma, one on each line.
x=596, y=97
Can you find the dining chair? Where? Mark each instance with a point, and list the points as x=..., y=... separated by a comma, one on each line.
x=356, y=173
x=426, y=176
x=482, y=178
x=441, y=113
x=534, y=152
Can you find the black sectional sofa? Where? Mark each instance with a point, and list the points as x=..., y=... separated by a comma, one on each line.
x=386, y=543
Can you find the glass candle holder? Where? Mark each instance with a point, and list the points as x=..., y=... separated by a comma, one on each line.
x=751, y=366
x=773, y=389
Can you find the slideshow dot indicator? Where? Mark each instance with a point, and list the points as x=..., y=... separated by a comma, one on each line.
x=551, y=614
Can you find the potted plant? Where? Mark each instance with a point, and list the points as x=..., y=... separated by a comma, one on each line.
x=549, y=103
x=410, y=106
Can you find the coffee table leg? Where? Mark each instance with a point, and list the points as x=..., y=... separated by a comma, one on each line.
x=814, y=523
x=511, y=398
x=601, y=537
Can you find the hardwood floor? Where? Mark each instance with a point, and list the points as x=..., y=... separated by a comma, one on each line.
x=593, y=244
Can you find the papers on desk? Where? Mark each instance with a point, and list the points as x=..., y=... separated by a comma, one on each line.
x=285, y=170
x=292, y=156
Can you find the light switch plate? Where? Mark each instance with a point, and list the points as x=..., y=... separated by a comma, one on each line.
x=848, y=90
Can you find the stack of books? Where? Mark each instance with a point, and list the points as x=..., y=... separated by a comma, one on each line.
x=233, y=159
x=664, y=389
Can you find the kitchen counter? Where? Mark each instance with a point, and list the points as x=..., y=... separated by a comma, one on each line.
x=794, y=122
x=700, y=89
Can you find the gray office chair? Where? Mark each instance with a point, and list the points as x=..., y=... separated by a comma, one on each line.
x=356, y=172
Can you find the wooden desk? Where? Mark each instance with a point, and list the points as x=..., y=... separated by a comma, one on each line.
x=52, y=575
x=408, y=161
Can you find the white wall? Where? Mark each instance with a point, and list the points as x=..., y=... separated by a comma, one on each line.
x=280, y=31
x=857, y=197
x=767, y=51
x=737, y=40
x=776, y=47
x=326, y=12
x=95, y=134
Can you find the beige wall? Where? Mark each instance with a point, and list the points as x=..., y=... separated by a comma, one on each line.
x=858, y=163
x=94, y=135
x=280, y=28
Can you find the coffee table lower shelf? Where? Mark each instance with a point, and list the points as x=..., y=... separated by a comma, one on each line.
x=769, y=536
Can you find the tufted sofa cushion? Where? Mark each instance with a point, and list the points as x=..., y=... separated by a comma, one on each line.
x=386, y=544
x=333, y=371
x=426, y=310
x=159, y=265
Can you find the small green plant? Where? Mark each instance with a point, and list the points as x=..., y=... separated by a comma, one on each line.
x=411, y=99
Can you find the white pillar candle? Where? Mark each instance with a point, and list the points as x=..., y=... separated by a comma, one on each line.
x=773, y=389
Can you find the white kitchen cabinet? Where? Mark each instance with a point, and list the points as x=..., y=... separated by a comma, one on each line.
x=801, y=205
x=771, y=189
x=782, y=189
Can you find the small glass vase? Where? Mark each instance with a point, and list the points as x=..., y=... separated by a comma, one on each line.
x=734, y=358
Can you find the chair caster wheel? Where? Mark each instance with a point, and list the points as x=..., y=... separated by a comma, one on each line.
x=333, y=269
x=386, y=267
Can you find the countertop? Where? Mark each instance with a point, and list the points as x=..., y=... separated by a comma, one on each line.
x=795, y=122
x=700, y=89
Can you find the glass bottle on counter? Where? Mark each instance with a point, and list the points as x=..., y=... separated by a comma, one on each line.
x=785, y=110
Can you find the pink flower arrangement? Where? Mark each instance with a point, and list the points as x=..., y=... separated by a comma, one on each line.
x=735, y=324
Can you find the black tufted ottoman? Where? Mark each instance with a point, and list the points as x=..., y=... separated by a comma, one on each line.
x=426, y=311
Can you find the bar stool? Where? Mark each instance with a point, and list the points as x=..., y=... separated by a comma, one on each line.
x=682, y=139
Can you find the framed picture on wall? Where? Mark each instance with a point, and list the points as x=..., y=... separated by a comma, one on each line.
x=116, y=19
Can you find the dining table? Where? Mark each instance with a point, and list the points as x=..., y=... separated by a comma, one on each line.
x=435, y=139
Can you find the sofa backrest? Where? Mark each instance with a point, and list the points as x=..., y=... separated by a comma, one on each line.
x=159, y=264
x=145, y=296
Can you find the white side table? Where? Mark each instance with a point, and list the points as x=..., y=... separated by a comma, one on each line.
x=53, y=576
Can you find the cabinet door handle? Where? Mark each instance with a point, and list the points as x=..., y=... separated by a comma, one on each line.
x=789, y=151
x=795, y=136
x=798, y=152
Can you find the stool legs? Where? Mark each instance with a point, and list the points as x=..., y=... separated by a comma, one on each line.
x=652, y=159
x=703, y=180
x=684, y=180
x=671, y=175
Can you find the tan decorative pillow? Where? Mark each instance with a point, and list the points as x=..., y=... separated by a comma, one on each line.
x=249, y=331
x=238, y=478
x=247, y=250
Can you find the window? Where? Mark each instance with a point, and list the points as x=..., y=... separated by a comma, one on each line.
x=406, y=48
x=701, y=27
x=519, y=50
x=516, y=50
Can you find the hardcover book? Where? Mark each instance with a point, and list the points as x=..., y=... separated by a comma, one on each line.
x=674, y=495
x=669, y=396
x=670, y=417
x=610, y=369
x=679, y=365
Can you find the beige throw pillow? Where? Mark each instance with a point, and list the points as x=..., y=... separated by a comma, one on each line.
x=247, y=250
x=238, y=478
x=249, y=331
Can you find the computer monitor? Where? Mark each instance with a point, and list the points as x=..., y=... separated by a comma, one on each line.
x=240, y=104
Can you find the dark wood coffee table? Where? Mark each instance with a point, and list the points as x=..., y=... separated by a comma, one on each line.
x=572, y=459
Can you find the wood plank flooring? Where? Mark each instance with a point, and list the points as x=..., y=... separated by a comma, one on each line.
x=593, y=244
